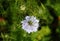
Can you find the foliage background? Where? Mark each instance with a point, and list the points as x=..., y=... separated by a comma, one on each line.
x=10, y=26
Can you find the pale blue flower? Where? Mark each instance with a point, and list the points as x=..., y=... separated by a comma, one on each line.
x=30, y=24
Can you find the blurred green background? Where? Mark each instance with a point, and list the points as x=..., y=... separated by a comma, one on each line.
x=12, y=12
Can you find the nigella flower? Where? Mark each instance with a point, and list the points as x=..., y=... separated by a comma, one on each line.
x=30, y=24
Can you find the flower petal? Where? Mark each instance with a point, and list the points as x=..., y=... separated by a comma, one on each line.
x=27, y=18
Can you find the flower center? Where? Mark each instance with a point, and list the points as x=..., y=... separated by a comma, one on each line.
x=30, y=23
